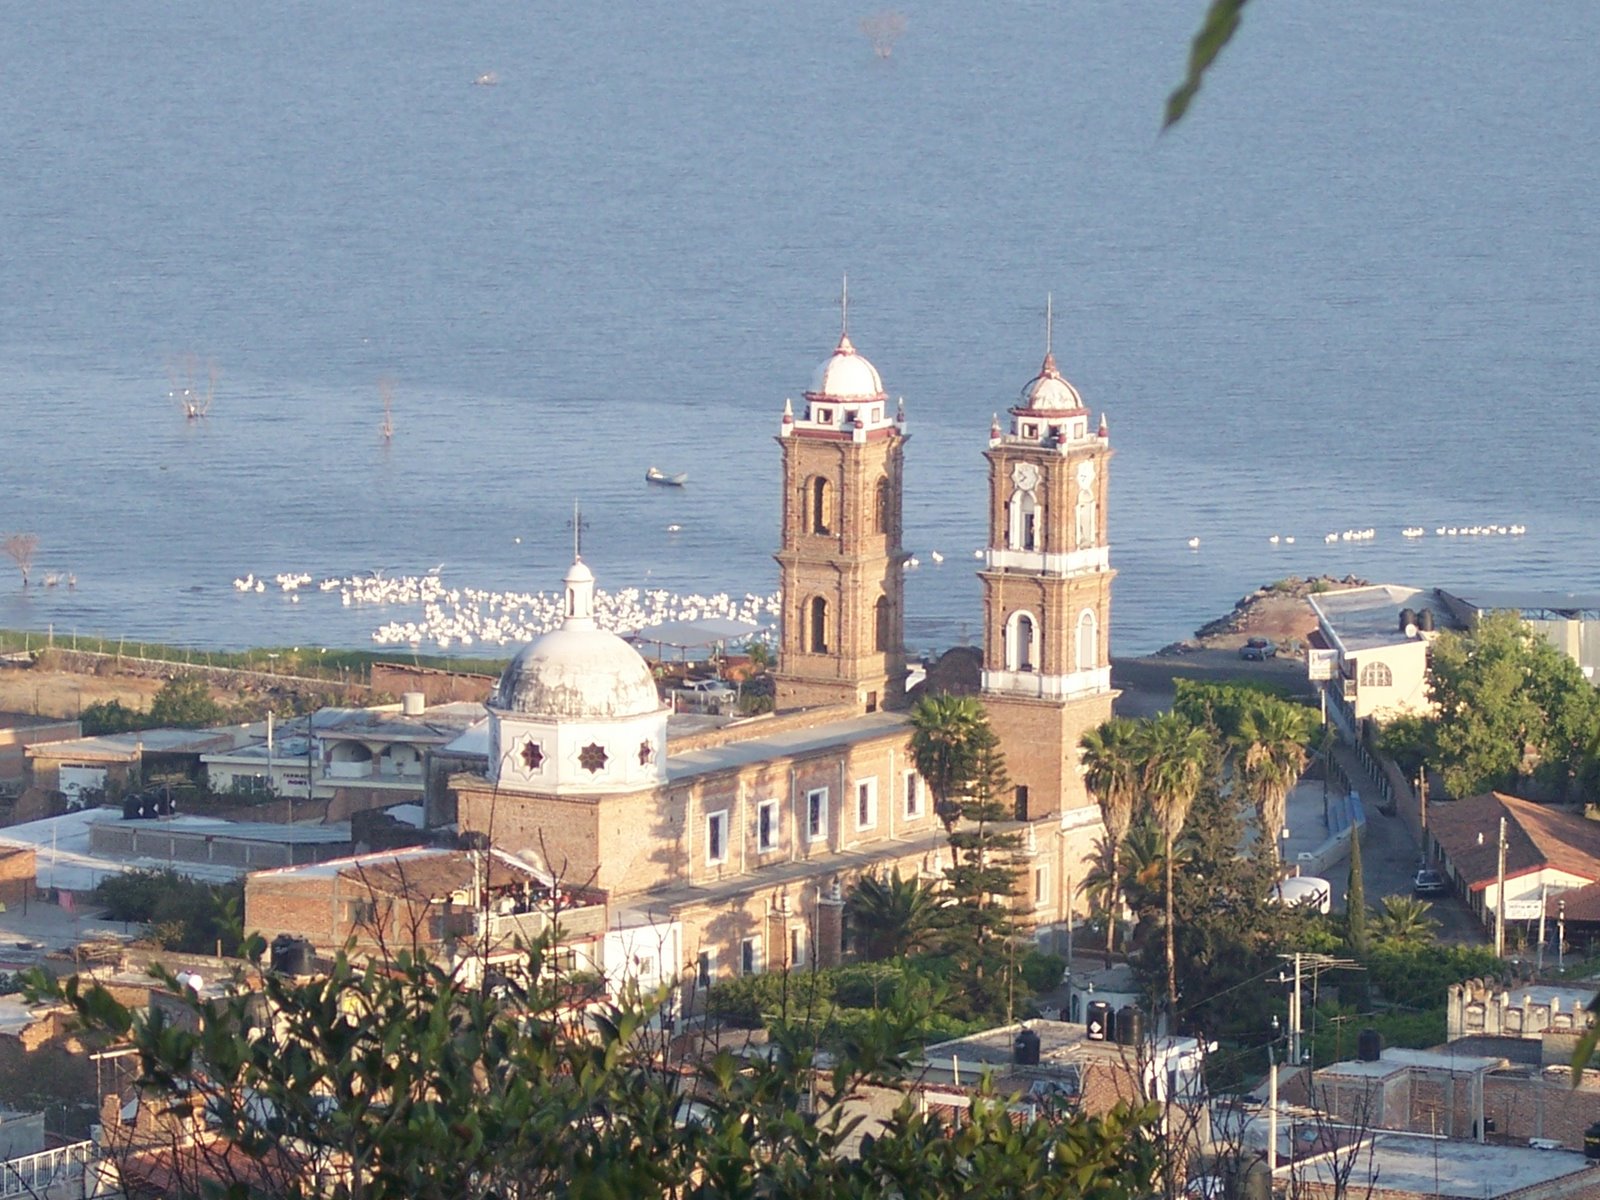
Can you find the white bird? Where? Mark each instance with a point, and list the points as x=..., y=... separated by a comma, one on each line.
x=1332, y=537
x=977, y=554
x=674, y=528
x=1194, y=543
x=1274, y=539
x=936, y=556
x=1289, y=541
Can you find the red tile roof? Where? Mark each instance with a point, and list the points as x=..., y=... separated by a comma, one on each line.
x=1538, y=836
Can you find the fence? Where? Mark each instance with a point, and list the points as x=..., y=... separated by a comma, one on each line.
x=33, y=1173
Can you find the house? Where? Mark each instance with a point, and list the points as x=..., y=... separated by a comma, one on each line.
x=1370, y=651
x=115, y=761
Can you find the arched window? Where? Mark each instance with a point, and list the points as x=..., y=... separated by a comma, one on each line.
x=881, y=515
x=818, y=627
x=883, y=635
x=1086, y=531
x=1376, y=674
x=1088, y=641
x=819, y=501
x=1024, y=523
x=1022, y=643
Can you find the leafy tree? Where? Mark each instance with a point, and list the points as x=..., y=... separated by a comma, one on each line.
x=944, y=747
x=1175, y=756
x=1222, y=706
x=891, y=917
x=184, y=702
x=1272, y=739
x=111, y=716
x=401, y=1080
x=1405, y=923
x=1111, y=773
x=183, y=914
x=1356, y=899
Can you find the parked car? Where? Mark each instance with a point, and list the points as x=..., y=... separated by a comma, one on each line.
x=1429, y=882
x=710, y=688
x=1258, y=649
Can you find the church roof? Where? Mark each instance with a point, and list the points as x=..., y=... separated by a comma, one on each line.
x=846, y=375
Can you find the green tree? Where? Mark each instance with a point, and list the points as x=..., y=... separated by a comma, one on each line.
x=1356, y=899
x=111, y=716
x=184, y=702
x=1272, y=740
x=891, y=917
x=1111, y=773
x=1405, y=923
x=401, y=1080
x=1175, y=756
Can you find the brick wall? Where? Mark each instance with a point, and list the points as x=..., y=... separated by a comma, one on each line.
x=17, y=872
x=440, y=687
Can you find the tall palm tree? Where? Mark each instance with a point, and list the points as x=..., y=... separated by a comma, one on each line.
x=1174, y=757
x=946, y=740
x=1272, y=740
x=892, y=916
x=1111, y=773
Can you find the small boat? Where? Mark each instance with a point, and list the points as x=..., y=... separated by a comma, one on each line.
x=655, y=476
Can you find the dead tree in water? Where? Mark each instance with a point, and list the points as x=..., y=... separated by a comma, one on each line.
x=883, y=29
x=184, y=374
x=19, y=548
x=386, y=390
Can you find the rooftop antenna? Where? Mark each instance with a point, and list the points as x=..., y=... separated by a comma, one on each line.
x=577, y=525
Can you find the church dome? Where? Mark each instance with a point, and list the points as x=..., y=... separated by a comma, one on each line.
x=1049, y=392
x=847, y=376
x=578, y=672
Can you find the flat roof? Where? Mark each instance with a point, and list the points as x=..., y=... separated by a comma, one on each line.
x=790, y=743
x=1367, y=618
x=437, y=723
x=1397, y=1058
x=1430, y=1166
x=126, y=747
x=1568, y=604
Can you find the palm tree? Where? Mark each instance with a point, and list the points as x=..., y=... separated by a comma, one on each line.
x=1111, y=773
x=1405, y=923
x=1272, y=738
x=945, y=745
x=892, y=916
x=1174, y=757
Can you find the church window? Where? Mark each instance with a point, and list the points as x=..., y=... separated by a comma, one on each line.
x=1030, y=430
x=818, y=630
x=816, y=814
x=749, y=957
x=592, y=758
x=767, y=825
x=1024, y=521
x=1022, y=643
x=705, y=968
x=866, y=804
x=1041, y=885
x=533, y=756
x=1376, y=674
x=825, y=416
x=819, y=497
x=1088, y=640
x=913, y=795
x=797, y=946
x=880, y=511
x=1086, y=519
x=881, y=636
x=647, y=753
x=717, y=838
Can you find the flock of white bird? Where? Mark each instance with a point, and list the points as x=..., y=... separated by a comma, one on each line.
x=470, y=616
x=1410, y=531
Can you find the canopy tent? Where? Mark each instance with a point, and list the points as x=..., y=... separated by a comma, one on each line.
x=693, y=639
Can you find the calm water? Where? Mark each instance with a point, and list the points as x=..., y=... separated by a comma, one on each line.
x=1357, y=289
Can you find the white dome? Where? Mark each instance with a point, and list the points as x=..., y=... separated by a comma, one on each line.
x=847, y=376
x=578, y=674
x=1049, y=392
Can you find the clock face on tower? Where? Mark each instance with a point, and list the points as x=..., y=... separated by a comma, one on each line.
x=1086, y=474
x=1025, y=475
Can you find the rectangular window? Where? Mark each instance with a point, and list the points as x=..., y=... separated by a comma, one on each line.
x=361, y=912
x=1021, y=810
x=749, y=957
x=717, y=838
x=1041, y=886
x=866, y=804
x=797, y=946
x=913, y=794
x=705, y=969
x=817, y=814
x=767, y=825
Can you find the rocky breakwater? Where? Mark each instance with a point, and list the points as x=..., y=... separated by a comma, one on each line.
x=1276, y=610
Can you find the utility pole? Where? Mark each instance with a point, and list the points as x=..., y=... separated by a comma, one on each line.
x=1294, y=1017
x=1500, y=896
x=1272, y=1114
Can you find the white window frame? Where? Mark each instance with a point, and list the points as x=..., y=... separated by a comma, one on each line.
x=797, y=946
x=750, y=953
x=867, y=789
x=774, y=812
x=817, y=815
x=916, y=791
x=718, y=821
x=1041, y=885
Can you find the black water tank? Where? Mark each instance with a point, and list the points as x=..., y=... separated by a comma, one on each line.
x=1425, y=620
x=1591, y=1141
x=1408, y=618
x=1130, y=1025
x=1101, y=1022
x=1369, y=1045
x=1025, y=1048
x=291, y=955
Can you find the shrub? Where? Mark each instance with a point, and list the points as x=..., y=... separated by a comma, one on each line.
x=1043, y=972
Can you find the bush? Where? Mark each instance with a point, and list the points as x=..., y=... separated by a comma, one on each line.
x=183, y=914
x=1043, y=972
x=111, y=716
x=1417, y=977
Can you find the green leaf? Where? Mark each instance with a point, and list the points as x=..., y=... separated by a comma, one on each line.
x=1221, y=22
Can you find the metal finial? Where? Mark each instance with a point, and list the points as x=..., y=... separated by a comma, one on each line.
x=1049, y=323
x=844, y=307
x=576, y=525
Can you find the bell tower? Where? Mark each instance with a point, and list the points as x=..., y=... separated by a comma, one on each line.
x=1047, y=590
x=840, y=562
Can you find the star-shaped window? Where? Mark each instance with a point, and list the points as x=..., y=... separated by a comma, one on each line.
x=533, y=756
x=647, y=753
x=592, y=757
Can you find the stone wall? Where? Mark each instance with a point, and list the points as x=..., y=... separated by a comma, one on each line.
x=1481, y=1006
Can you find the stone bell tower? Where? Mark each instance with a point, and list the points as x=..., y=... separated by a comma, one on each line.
x=841, y=563
x=1047, y=590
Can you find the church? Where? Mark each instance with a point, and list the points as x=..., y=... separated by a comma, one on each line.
x=696, y=854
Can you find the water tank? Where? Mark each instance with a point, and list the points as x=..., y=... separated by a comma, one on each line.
x=1408, y=619
x=1425, y=620
x=412, y=704
x=1591, y=1141
x=1101, y=1023
x=1130, y=1026
x=1025, y=1048
x=291, y=955
x=1369, y=1045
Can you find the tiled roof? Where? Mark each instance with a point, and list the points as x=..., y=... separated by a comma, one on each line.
x=1537, y=836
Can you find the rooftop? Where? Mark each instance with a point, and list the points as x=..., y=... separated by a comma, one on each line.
x=1537, y=836
x=127, y=747
x=791, y=743
x=1528, y=603
x=1438, y=1167
x=1394, y=1060
x=440, y=723
x=1368, y=618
